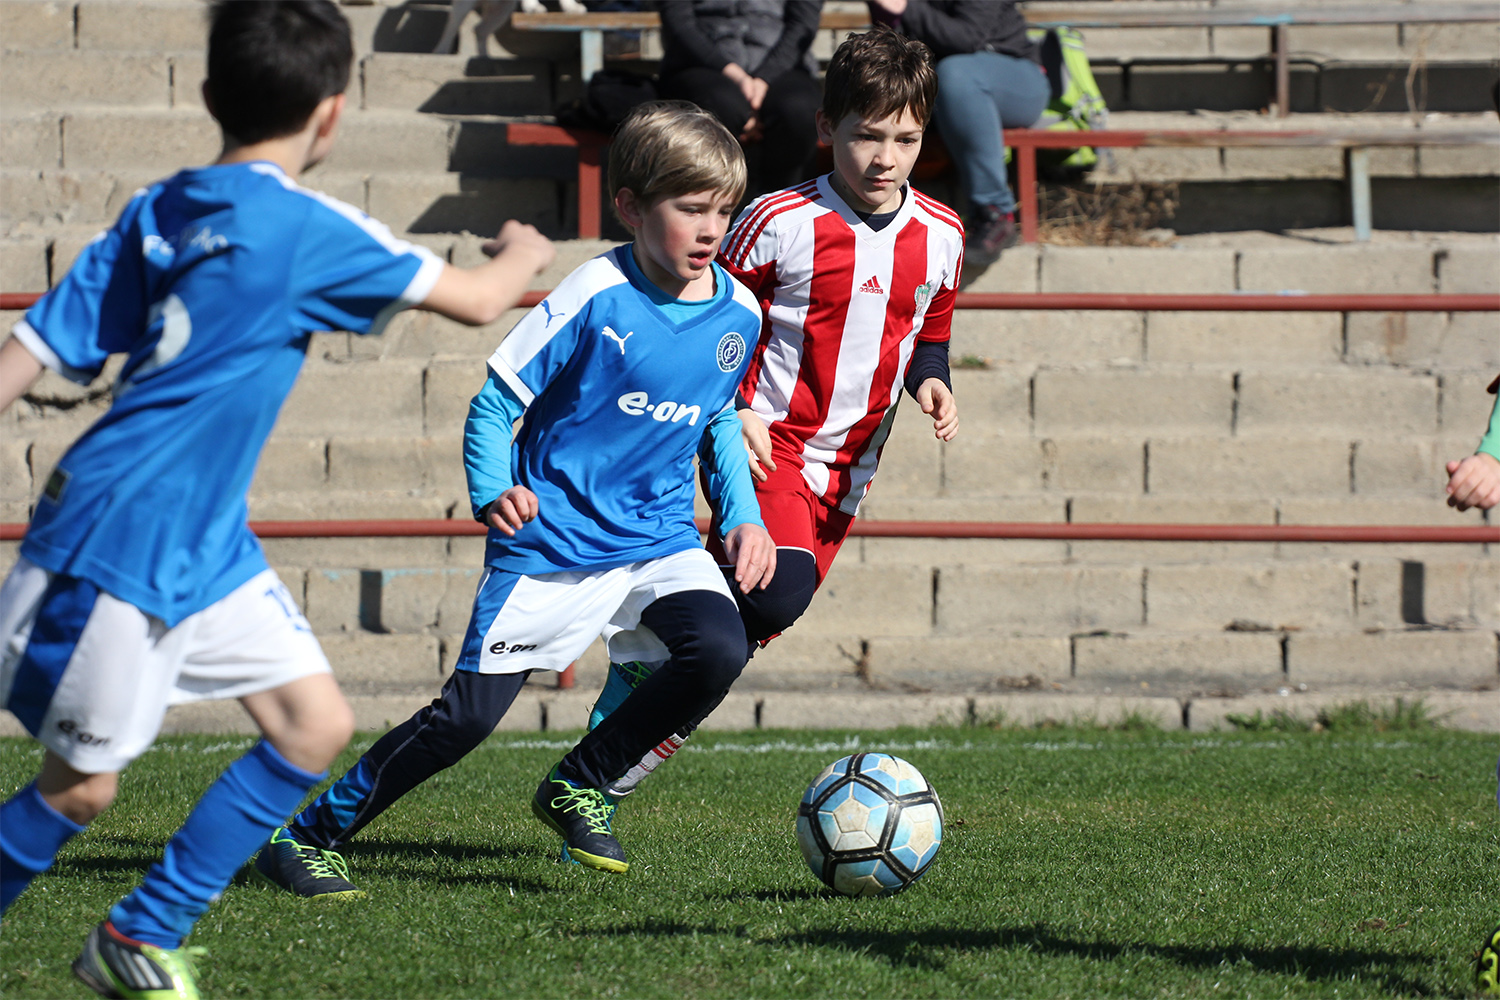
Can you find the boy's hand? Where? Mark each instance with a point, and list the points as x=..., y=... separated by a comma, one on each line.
x=937, y=400
x=757, y=443
x=514, y=508
x=522, y=239
x=754, y=555
x=1474, y=482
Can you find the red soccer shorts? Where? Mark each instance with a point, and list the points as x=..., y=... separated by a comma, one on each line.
x=796, y=518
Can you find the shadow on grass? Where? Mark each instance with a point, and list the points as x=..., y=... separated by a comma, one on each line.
x=108, y=855
x=922, y=950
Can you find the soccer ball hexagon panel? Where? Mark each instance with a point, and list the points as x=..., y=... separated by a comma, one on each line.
x=869, y=825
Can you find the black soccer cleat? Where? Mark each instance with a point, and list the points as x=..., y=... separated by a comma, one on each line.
x=304, y=870
x=581, y=817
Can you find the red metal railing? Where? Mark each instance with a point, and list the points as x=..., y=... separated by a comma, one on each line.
x=1284, y=302
x=1382, y=533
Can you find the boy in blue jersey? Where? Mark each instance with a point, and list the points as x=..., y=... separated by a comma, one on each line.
x=624, y=372
x=139, y=584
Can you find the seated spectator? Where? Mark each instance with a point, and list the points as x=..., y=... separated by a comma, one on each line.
x=988, y=79
x=747, y=62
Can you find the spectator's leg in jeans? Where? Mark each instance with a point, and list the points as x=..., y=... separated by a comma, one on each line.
x=979, y=93
x=791, y=134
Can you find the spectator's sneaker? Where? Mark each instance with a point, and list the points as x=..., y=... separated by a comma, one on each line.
x=623, y=679
x=989, y=232
x=304, y=870
x=115, y=966
x=581, y=817
x=1487, y=973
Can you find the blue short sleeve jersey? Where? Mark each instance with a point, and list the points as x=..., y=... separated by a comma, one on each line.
x=211, y=283
x=618, y=394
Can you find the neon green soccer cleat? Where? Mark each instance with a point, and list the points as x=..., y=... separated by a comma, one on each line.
x=1487, y=972
x=581, y=817
x=304, y=870
x=115, y=966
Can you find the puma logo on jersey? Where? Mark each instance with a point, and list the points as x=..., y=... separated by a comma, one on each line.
x=637, y=403
x=547, y=308
x=610, y=333
x=872, y=286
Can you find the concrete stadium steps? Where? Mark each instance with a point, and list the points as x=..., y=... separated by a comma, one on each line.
x=101, y=96
x=1280, y=418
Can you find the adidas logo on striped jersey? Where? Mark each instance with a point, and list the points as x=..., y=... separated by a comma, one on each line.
x=872, y=286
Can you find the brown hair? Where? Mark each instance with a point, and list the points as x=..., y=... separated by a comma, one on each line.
x=878, y=74
x=668, y=148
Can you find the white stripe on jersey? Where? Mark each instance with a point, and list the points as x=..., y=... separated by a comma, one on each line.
x=428, y=272
x=561, y=306
x=33, y=342
x=828, y=312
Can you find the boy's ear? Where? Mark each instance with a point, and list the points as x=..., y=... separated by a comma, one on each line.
x=335, y=113
x=825, y=128
x=628, y=207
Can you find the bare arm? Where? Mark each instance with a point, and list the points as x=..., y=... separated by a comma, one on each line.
x=19, y=370
x=479, y=295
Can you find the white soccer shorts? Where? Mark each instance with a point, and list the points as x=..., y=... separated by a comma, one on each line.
x=91, y=676
x=546, y=621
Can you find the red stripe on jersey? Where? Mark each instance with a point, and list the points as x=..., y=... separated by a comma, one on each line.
x=823, y=329
x=909, y=269
x=938, y=210
x=748, y=232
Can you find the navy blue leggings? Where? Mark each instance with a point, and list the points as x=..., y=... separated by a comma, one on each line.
x=708, y=649
x=707, y=642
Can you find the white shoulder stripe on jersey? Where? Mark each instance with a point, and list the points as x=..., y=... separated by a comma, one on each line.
x=560, y=308
x=499, y=367
x=33, y=342
x=377, y=231
x=416, y=292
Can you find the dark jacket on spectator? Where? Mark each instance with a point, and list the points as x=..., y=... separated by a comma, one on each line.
x=764, y=37
x=954, y=27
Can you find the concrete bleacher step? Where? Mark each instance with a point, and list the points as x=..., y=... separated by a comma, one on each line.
x=1295, y=418
x=97, y=102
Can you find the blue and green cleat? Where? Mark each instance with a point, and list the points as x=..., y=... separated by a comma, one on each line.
x=623, y=679
x=581, y=817
x=113, y=965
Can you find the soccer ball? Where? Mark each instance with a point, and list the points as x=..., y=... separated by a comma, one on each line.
x=869, y=825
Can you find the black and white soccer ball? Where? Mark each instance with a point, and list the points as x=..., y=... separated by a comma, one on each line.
x=869, y=825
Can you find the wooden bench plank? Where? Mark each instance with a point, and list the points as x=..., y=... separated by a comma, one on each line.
x=1277, y=17
x=1026, y=142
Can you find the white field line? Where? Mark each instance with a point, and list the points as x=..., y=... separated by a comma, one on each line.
x=847, y=745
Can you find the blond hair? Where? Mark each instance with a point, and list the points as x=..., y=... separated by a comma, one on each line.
x=668, y=148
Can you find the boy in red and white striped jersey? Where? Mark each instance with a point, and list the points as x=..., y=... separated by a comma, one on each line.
x=856, y=274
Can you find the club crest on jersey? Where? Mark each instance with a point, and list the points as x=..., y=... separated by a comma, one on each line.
x=923, y=294
x=731, y=351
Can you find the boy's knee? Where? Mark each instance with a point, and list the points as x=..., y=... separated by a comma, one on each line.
x=721, y=653
x=80, y=797
x=772, y=610
x=472, y=706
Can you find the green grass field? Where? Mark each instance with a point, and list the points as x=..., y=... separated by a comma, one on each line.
x=1076, y=862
